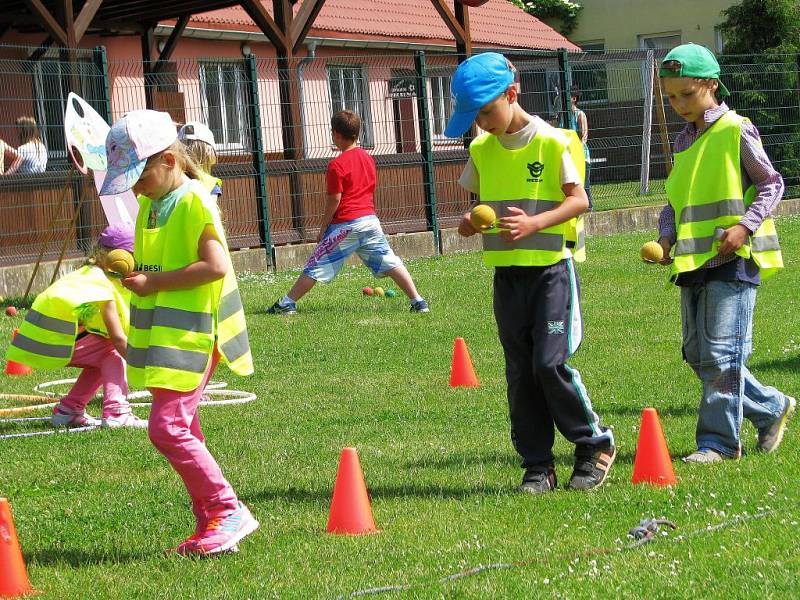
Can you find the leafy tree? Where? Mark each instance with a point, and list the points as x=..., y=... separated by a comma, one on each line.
x=563, y=10
x=761, y=61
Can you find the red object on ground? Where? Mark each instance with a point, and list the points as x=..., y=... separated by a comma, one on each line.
x=368, y=291
x=461, y=372
x=652, y=463
x=13, y=576
x=351, y=512
x=15, y=368
x=11, y=311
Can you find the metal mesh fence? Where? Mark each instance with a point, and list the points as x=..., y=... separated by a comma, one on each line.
x=271, y=122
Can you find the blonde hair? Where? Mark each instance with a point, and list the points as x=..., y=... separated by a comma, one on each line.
x=27, y=130
x=98, y=256
x=183, y=159
x=203, y=154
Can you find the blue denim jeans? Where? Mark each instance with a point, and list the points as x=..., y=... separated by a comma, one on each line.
x=717, y=322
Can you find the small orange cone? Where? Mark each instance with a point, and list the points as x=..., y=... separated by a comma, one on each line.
x=351, y=512
x=652, y=463
x=13, y=576
x=15, y=368
x=461, y=372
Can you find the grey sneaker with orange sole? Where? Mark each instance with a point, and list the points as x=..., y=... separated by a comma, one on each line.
x=770, y=437
x=591, y=468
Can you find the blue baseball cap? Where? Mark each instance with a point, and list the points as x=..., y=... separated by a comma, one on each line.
x=477, y=81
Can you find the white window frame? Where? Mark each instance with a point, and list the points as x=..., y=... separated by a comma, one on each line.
x=42, y=93
x=356, y=74
x=223, y=133
x=645, y=37
x=441, y=105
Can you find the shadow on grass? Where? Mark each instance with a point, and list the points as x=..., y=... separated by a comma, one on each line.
x=684, y=410
x=82, y=558
x=410, y=490
x=787, y=363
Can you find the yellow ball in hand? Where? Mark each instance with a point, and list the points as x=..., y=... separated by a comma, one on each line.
x=120, y=262
x=482, y=217
x=652, y=252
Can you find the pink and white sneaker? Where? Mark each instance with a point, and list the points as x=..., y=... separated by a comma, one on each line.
x=63, y=417
x=222, y=534
x=124, y=420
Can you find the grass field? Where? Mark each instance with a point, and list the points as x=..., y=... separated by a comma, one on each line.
x=95, y=511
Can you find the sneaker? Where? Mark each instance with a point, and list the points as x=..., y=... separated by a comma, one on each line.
x=706, y=456
x=282, y=309
x=537, y=481
x=124, y=420
x=188, y=547
x=591, y=470
x=770, y=437
x=63, y=417
x=420, y=306
x=223, y=533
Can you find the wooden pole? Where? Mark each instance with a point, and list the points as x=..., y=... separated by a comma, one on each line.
x=662, y=119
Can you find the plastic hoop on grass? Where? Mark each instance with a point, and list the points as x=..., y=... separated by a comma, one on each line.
x=214, y=388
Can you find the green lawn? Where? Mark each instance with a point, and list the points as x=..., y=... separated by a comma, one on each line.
x=95, y=511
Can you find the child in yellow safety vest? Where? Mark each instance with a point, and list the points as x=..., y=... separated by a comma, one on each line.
x=81, y=320
x=525, y=169
x=201, y=146
x=722, y=190
x=186, y=314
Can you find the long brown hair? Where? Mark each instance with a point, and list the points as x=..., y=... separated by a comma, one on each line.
x=28, y=130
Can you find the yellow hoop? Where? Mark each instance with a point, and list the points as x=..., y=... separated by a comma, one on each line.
x=40, y=402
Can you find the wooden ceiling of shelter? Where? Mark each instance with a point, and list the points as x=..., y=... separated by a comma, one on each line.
x=107, y=16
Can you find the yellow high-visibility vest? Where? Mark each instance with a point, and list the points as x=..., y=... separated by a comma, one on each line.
x=46, y=338
x=173, y=333
x=528, y=178
x=705, y=190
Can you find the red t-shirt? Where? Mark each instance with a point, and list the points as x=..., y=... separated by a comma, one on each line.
x=352, y=174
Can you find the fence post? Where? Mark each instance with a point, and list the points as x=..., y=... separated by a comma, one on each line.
x=426, y=149
x=259, y=164
x=647, y=123
x=567, y=120
x=101, y=62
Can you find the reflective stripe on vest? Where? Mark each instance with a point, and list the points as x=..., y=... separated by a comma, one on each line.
x=173, y=333
x=46, y=338
x=703, y=204
x=531, y=180
x=576, y=227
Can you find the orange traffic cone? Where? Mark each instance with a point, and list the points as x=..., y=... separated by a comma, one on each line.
x=15, y=368
x=13, y=576
x=652, y=463
x=461, y=372
x=350, y=509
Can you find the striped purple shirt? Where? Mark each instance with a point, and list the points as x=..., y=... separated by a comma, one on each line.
x=756, y=169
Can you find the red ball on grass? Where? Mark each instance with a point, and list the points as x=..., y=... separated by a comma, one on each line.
x=367, y=291
x=11, y=311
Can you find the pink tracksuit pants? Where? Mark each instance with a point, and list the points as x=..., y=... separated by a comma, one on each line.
x=102, y=365
x=174, y=429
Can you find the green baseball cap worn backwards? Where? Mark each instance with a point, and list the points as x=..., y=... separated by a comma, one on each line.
x=692, y=60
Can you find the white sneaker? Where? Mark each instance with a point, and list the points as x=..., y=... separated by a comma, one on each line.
x=63, y=417
x=125, y=420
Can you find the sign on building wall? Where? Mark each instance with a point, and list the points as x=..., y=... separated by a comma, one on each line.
x=402, y=87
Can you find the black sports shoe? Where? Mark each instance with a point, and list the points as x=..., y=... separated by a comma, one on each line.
x=591, y=468
x=282, y=309
x=538, y=480
x=420, y=306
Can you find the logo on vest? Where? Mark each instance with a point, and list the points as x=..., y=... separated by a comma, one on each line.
x=148, y=268
x=535, y=169
x=555, y=327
